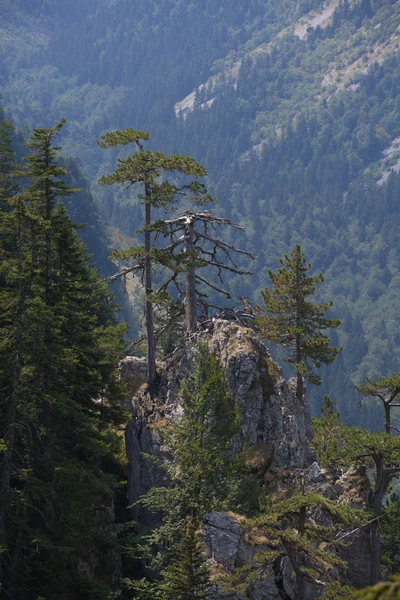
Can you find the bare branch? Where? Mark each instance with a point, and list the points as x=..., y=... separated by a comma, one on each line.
x=124, y=272
x=342, y=537
x=220, y=244
x=214, y=287
x=227, y=268
x=165, y=327
x=165, y=285
x=205, y=217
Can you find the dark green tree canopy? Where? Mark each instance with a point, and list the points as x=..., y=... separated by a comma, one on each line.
x=59, y=349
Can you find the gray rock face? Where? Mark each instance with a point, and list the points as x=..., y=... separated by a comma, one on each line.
x=227, y=548
x=276, y=431
x=275, y=427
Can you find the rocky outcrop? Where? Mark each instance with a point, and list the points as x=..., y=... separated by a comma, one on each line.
x=229, y=548
x=274, y=426
x=276, y=433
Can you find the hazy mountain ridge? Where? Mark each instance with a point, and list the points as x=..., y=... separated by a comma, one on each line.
x=352, y=56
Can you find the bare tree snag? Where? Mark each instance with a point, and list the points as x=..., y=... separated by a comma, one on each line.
x=196, y=248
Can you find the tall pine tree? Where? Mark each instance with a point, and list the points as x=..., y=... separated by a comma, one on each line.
x=148, y=170
x=296, y=323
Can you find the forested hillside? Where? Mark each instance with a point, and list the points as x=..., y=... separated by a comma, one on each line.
x=293, y=107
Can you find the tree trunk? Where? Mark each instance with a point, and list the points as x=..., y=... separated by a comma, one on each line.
x=190, y=282
x=300, y=384
x=299, y=589
x=299, y=354
x=302, y=519
x=387, y=417
x=381, y=483
x=375, y=545
x=151, y=350
x=382, y=480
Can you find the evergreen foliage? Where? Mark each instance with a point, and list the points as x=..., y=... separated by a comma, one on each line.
x=59, y=350
x=290, y=528
x=382, y=591
x=297, y=124
x=385, y=389
x=340, y=446
x=188, y=576
x=202, y=476
x=390, y=534
x=295, y=323
x=8, y=185
x=147, y=169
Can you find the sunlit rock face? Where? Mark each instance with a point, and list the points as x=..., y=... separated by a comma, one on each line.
x=276, y=433
x=275, y=427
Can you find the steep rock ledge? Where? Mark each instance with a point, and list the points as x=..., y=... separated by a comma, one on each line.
x=276, y=431
x=275, y=427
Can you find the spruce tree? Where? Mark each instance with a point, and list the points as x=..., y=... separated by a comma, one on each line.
x=188, y=575
x=202, y=476
x=295, y=323
x=203, y=472
x=59, y=350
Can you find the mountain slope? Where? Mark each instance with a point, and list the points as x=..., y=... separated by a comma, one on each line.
x=294, y=107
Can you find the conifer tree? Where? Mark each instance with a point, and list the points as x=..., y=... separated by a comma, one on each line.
x=340, y=446
x=58, y=354
x=203, y=471
x=202, y=476
x=8, y=184
x=295, y=323
x=385, y=389
x=188, y=576
x=290, y=529
x=147, y=169
x=192, y=247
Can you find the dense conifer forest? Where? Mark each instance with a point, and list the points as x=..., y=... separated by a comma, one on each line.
x=288, y=114
x=295, y=118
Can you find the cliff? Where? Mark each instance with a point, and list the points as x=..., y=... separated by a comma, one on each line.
x=276, y=434
x=273, y=425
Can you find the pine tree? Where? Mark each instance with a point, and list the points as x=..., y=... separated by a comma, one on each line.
x=294, y=322
x=385, y=389
x=147, y=169
x=289, y=529
x=193, y=247
x=340, y=446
